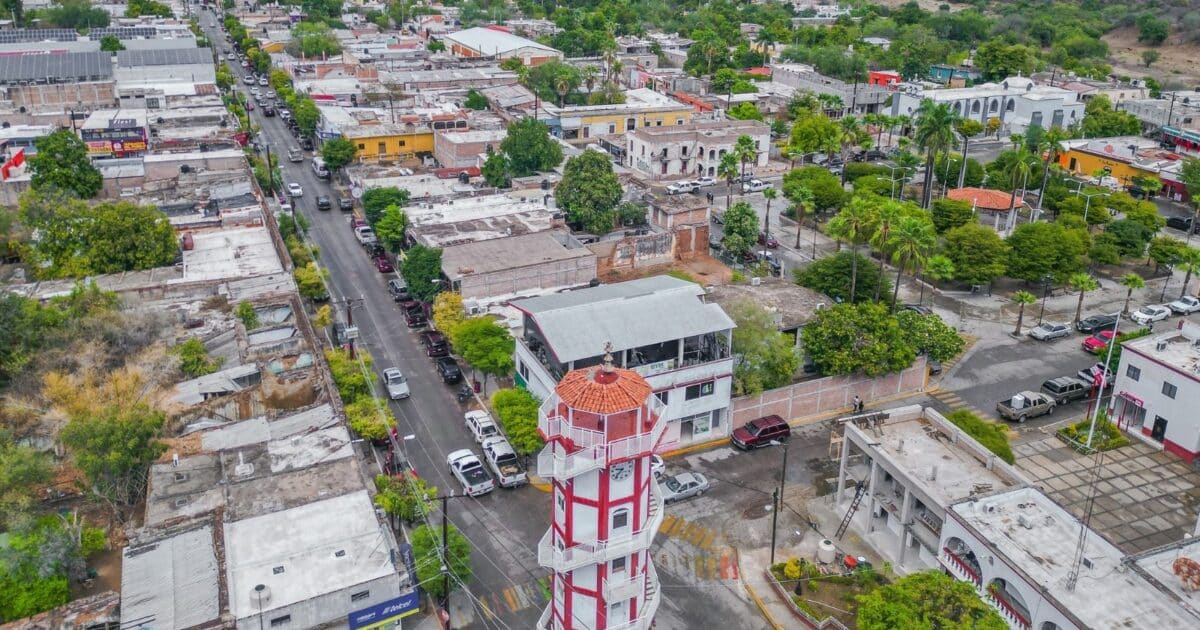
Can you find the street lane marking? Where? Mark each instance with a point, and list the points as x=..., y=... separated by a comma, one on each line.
x=668, y=523
x=707, y=542
x=510, y=599
x=487, y=611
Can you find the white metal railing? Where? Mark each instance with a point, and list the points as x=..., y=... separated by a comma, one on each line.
x=593, y=453
x=551, y=465
x=648, y=607
x=582, y=554
x=1010, y=615
x=625, y=586
x=552, y=424
x=544, y=621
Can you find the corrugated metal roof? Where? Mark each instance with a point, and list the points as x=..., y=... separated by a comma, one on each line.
x=577, y=324
x=492, y=42
x=164, y=57
x=171, y=583
x=82, y=66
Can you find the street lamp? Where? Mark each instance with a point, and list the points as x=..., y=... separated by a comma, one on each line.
x=892, y=178
x=1088, y=203
x=1046, y=282
x=777, y=500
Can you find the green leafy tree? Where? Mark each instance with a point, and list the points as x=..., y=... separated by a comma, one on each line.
x=114, y=448
x=370, y=417
x=948, y=214
x=1131, y=281
x=632, y=213
x=194, y=360
x=999, y=59
x=814, y=133
x=109, y=43
x=74, y=14
x=422, y=271
x=495, y=170
x=310, y=282
x=1144, y=213
x=857, y=338
x=1165, y=250
x=589, y=192
x=349, y=375
x=979, y=254
x=337, y=152
x=139, y=8
x=76, y=239
x=62, y=164
x=939, y=268
x=741, y=228
x=1152, y=30
x=246, y=312
x=22, y=469
x=1100, y=120
x=967, y=128
x=404, y=497
x=1022, y=299
x=448, y=311
x=727, y=169
x=1190, y=263
x=831, y=276
x=427, y=552
x=306, y=115
x=826, y=188
x=926, y=600
x=517, y=412
x=1043, y=249
x=854, y=224
x=1130, y=237
x=765, y=358
x=744, y=111
x=313, y=40
x=14, y=9
x=708, y=53
x=530, y=148
x=485, y=345
x=949, y=168
x=928, y=333
x=390, y=228
x=376, y=200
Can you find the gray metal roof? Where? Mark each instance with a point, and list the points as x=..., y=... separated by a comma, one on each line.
x=171, y=583
x=577, y=324
x=164, y=57
x=80, y=66
x=24, y=35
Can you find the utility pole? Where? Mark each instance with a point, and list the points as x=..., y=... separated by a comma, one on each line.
x=774, y=521
x=446, y=558
x=270, y=169
x=350, y=304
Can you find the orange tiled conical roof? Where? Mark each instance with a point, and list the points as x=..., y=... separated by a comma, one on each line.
x=603, y=391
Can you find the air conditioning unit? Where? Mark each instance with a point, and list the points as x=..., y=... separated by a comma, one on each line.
x=1161, y=345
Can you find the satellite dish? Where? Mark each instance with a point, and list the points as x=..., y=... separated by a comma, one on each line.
x=356, y=192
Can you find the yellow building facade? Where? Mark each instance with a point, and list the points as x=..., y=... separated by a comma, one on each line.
x=390, y=141
x=642, y=108
x=1113, y=158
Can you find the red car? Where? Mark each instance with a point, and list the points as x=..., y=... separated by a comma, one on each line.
x=768, y=240
x=761, y=432
x=1098, y=342
x=383, y=264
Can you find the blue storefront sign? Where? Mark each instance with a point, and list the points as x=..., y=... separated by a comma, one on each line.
x=380, y=615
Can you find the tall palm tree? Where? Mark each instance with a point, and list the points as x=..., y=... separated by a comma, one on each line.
x=854, y=224
x=768, y=194
x=913, y=239
x=802, y=199
x=590, y=74
x=1017, y=173
x=1131, y=281
x=1083, y=283
x=886, y=218
x=1189, y=260
x=1052, y=144
x=562, y=85
x=1022, y=298
x=935, y=133
x=851, y=134
x=728, y=168
x=1017, y=139
x=967, y=128
x=745, y=149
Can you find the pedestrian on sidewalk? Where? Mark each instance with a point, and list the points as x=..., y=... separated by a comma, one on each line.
x=858, y=404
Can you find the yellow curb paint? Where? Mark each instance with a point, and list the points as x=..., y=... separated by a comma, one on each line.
x=707, y=542
x=761, y=607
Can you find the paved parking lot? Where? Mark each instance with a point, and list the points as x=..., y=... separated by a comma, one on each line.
x=1144, y=497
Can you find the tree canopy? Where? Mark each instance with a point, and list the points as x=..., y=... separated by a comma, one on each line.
x=337, y=152
x=827, y=192
x=857, y=338
x=741, y=228
x=530, y=148
x=926, y=601
x=517, y=412
x=422, y=271
x=376, y=200
x=114, y=448
x=62, y=164
x=1100, y=120
x=427, y=552
x=1044, y=249
x=978, y=253
x=764, y=357
x=831, y=275
x=485, y=345
x=589, y=192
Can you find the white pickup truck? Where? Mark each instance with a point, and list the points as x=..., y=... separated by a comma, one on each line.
x=502, y=459
x=470, y=472
x=365, y=235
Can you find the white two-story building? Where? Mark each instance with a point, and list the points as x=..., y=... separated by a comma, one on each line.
x=694, y=149
x=659, y=327
x=1156, y=390
x=1017, y=102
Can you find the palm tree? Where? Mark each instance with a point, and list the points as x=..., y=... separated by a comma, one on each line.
x=1189, y=261
x=1021, y=298
x=886, y=218
x=590, y=73
x=854, y=225
x=912, y=240
x=792, y=153
x=852, y=133
x=1052, y=144
x=1083, y=283
x=769, y=194
x=728, y=168
x=935, y=133
x=1131, y=281
x=1017, y=171
x=967, y=128
x=939, y=268
x=745, y=149
x=1016, y=139
x=562, y=85
x=802, y=199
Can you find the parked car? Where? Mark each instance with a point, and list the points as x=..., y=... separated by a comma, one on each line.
x=264, y=82
x=480, y=424
x=398, y=289
x=1092, y=374
x=470, y=472
x=395, y=383
x=717, y=217
x=415, y=318
x=919, y=309
x=683, y=486
x=874, y=154
x=678, y=188
x=1098, y=342
x=295, y=154
x=295, y=190
x=755, y=185
x=765, y=238
x=1049, y=331
x=1180, y=223
x=761, y=432
x=1184, y=305
x=1064, y=389
x=345, y=204
x=1025, y=405
x=382, y=264
x=365, y=235
x=435, y=344
x=268, y=111
x=306, y=143
x=657, y=466
x=503, y=461
x=1150, y=313
x=323, y=203
x=1096, y=323
x=248, y=80
x=705, y=181
x=448, y=369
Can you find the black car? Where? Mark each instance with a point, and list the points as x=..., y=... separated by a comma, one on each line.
x=919, y=309
x=323, y=203
x=1181, y=223
x=414, y=316
x=268, y=111
x=346, y=204
x=449, y=371
x=306, y=143
x=875, y=154
x=1096, y=323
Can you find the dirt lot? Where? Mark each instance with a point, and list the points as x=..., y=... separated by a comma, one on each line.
x=1178, y=60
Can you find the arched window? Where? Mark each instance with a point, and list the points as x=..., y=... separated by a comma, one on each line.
x=975, y=107
x=958, y=107
x=1012, y=104
x=994, y=106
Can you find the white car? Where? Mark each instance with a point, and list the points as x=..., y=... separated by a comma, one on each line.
x=1150, y=313
x=705, y=181
x=678, y=188
x=481, y=425
x=683, y=486
x=1185, y=305
x=657, y=466
x=469, y=471
x=755, y=185
x=295, y=190
x=396, y=384
x=263, y=81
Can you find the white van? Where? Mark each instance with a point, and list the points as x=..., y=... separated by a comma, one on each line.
x=318, y=166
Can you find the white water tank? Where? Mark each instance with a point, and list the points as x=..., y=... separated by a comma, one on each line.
x=825, y=551
x=1018, y=401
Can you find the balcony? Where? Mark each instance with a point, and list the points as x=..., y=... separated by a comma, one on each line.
x=620, y=437
x=544, y=620
x=648, y=607
x=1014, y=618
x=625, y=586
x=582, y=554
x=551, y=465
x=959, y=567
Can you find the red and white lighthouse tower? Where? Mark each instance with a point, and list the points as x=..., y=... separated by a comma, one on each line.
x=601, y=425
